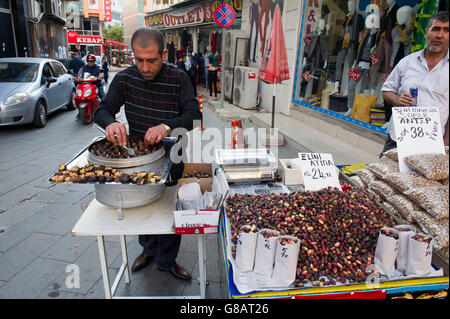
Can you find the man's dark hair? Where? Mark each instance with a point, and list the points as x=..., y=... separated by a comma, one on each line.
x=441, y=16
x=145, y=36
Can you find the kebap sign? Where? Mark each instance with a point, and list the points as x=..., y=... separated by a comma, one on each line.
x=74, y=37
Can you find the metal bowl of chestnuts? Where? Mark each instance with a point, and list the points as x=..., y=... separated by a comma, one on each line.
x=106, y=153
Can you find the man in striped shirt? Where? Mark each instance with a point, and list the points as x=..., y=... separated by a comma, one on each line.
x=157, y=99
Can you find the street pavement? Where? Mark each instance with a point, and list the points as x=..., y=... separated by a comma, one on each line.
x=37, y=249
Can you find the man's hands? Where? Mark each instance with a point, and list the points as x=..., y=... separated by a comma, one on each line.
x=117, y=134
x=404, y=99
x=155, y=134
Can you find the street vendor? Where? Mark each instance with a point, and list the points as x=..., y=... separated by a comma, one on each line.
x=158, y=98
x=427, y=70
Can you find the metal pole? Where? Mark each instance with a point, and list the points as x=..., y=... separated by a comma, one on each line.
x=222, y=80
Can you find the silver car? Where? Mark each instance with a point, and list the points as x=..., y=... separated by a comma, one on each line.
x=32, y=88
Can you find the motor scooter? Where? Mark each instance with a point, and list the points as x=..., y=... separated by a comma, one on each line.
x=86, y=97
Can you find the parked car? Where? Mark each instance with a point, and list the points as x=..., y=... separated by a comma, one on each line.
x=32, y=88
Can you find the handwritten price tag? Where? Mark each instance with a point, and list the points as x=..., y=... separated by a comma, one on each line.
x=418, y=131
x=318, y=171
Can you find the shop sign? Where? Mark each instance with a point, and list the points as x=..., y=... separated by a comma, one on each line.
x=313, y=11
x=107, y=5
x=418, y=131
x=184, y=17
x=74, y=37
x=199, y=14
x=318, y=171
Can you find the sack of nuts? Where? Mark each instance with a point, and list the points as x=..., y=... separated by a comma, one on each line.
x=286, y=258
x=366, y=175
x=265, y=251
x=404, y=181
x=432, y=166
x=386, y=250
x=439, y=230
x=392, y=154
x=433, y=199
x=246, y=248
x=383, y=167
x=403, y=205
x=404, y=232
x=420, y=252
x=382, y=189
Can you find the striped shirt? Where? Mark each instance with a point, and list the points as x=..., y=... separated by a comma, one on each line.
x=168, y=99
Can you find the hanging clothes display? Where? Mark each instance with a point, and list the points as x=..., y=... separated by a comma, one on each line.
x=214, y=42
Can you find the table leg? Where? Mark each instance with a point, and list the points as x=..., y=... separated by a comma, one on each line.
x=202, y=264
x=123, y=245
x=104, y=266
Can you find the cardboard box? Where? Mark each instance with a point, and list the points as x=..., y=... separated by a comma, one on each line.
x=190, y=168
x=205, y=221
x=290, y=171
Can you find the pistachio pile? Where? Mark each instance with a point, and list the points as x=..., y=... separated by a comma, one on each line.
x=91, y=173
x=105, y=148
x=338, y=230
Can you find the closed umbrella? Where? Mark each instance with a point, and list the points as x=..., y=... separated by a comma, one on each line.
x=274, y=67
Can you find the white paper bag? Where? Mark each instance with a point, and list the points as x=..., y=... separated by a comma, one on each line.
x=386, y=252
x=402, y=253
x=245, y=250
x=265, y=252
x=419, y=256
x=286, y=258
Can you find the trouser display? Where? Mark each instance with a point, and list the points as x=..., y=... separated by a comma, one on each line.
x=345, y=53
x=212, y=78
x=163, y=247
x=384, y=52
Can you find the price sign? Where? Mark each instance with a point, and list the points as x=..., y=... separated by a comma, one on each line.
x=418, y=131
x=354, y=74
x=318, y=171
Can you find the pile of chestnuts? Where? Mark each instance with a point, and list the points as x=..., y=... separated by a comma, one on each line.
x=105, y=148
x=338, y=230
x=92, y=173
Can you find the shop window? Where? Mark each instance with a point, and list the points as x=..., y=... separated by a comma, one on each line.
x=345, y=54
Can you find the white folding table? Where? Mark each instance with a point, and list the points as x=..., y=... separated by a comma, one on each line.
x=152, y=219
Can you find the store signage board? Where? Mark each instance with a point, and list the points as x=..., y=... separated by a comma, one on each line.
x=418, y=131
x=224, y=15
x=318, y=171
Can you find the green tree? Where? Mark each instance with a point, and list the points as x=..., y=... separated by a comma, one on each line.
x=114, y=32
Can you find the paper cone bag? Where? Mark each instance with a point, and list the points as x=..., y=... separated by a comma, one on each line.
x=286, y=258
x=405, y=231
x=246, y=249
x=386, y=251
x=265, y=251
x=419, y=255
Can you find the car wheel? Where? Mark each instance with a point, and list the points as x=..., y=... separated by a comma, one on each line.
x=40, y=115
x=71, y=105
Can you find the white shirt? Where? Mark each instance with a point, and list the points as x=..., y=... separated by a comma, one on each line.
x=412, y=72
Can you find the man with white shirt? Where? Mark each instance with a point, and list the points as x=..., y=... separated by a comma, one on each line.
x=426, y=70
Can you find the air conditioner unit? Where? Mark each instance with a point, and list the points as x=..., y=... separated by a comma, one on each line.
x=245, y=87
x=228, y=87
x=230, y=48
x=36, y=9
